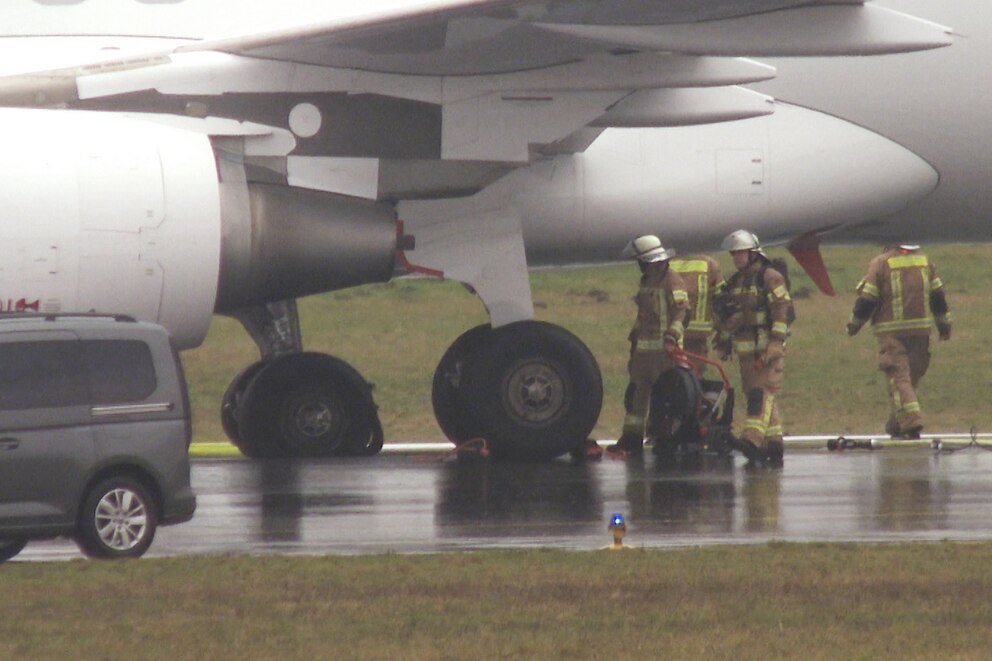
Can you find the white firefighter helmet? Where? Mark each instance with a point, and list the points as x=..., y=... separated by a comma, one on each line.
x=742, y=240
x=647, y=249
x=909, y=247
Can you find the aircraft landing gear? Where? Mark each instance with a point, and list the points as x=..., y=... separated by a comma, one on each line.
x=230, y=405
x=301, y=405
x=294, y=403
x=531, y=389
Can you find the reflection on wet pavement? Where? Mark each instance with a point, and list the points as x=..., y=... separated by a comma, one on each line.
x=407, y=503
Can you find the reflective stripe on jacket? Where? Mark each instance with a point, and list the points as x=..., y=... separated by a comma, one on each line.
x=900, y=285
x=703, y=282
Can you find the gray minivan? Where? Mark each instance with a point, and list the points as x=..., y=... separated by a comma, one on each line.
x=94, y=433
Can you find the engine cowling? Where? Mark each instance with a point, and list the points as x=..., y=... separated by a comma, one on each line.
x=119, y=215
x=108, y=214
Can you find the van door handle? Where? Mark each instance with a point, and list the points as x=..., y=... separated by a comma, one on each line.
x=9, y=444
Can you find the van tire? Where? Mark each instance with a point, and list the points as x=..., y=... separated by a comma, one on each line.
x=117, y=520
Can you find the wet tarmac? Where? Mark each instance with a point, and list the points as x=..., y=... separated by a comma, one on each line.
x=407, y=503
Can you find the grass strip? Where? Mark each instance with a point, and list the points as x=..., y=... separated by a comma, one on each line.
x=779, y=600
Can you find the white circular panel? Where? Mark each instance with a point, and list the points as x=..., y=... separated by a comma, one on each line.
x=304, y=120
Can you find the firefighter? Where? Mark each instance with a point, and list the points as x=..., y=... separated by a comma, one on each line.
x=754, y=319
x=662, y=306
x=703, y=282
x=903, y=297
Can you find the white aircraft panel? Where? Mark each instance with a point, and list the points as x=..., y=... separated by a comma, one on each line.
x=120, y=185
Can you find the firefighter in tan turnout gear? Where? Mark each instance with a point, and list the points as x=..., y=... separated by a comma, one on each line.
x=903, y=297
x=754, y=321
x=703, y=282
x=662, y=304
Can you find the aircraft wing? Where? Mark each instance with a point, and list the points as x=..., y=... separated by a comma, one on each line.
x=482, y=36
x=440, y=98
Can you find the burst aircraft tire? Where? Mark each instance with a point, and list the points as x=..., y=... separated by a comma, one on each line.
x=232, y=400
x=307, y=405
x=370, y=446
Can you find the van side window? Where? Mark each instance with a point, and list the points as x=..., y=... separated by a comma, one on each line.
x=40, y=375
x=118, y=371
x=58, y=373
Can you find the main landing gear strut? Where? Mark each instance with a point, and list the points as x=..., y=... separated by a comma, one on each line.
x=531, y=389
x=294, y=403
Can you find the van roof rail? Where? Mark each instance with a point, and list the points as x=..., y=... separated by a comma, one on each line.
x=53, y=316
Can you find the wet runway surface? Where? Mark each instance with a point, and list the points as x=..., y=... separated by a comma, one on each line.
x=431, y=503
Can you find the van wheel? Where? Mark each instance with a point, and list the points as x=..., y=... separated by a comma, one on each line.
x=118, y=520
x=11, y=547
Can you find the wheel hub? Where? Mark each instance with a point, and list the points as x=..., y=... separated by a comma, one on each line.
x=535, y=392
x=121, y=519
x=314, y=419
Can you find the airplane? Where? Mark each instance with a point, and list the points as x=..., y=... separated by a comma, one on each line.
x=176, y=159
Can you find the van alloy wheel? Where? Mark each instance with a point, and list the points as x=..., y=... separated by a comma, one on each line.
x=118, y=519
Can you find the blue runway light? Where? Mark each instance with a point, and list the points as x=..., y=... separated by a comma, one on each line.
x=619, y=528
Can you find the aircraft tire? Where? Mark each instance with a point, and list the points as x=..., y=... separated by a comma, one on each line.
x=307, y=405
x=371, y=446
x=536, y=389
x=453, y=414
x=232, y=400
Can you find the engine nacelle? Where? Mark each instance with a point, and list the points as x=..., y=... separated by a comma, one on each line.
x=108, y=214
x=780, y=176
x=117, y=215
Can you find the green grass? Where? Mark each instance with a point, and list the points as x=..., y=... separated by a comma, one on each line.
x=397, y=332
x=811, y=601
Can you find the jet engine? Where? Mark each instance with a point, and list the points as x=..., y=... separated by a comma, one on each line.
x=133, y=226
x=143, y=224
